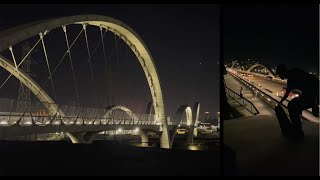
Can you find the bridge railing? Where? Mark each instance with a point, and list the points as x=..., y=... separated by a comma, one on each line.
x=248, y=105
x=35, y=114
x=272, y=102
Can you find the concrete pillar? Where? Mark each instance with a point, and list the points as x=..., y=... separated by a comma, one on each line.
x=82, y=137
x=195, y=132
x=190, y=134
x=165, y=137
x=144, y=137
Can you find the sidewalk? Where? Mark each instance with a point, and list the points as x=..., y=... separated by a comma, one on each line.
x=261, y=149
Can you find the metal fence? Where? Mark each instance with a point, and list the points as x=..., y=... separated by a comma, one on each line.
x=36, y=114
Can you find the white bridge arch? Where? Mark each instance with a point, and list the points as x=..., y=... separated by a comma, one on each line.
x=260, y=65
x=18, y=34
x=122, y=108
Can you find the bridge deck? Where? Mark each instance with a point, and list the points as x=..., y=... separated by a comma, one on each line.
x=14, y=131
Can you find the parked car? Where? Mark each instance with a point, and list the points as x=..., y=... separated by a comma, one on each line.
x=182, y=131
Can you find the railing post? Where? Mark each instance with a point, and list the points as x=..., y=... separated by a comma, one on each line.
x=32, y=121
x=55, y=115
x=18, y=122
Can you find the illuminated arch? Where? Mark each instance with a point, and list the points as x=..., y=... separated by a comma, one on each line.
x=32, y=85
x=234, y=63
x=184, y=109
x=260, y=65
x=150, y=109
x=196, y=110
x=122, y=108
x=18, y=34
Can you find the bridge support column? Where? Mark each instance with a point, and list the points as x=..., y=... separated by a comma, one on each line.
x=195, y=132
x=82, y=137
x=191, y=134
x=144, y=137
x=164, y=137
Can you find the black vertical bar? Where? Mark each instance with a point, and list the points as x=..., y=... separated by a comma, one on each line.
x=223, y=98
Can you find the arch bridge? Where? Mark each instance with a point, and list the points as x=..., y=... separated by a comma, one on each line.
x=81, y=128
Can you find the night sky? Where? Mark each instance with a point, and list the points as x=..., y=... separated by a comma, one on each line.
x=273, y=34
x=183, y=40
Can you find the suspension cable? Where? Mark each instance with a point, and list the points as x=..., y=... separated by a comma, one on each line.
x=74, y=41
x=89, y=56
x=115, y=41
x=103, y=46
x=15, y=64
x=117, y=64
x=54, y=70
x=20, y=63
x=13, y=57
x=96, y=48
x=29, y=52
x=71, y=64
x=105, y=57
x=48, y=65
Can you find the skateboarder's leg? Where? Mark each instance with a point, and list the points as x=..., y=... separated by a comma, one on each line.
x=284, y=122
x=295, y=111
x=315, y=110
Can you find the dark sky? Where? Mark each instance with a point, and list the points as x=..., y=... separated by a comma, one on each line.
x=183, y=40
x=273, y=34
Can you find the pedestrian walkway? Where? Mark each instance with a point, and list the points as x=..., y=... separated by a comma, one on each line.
x=235, y=85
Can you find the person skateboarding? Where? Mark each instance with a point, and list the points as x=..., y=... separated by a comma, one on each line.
x=241, y=92
x=309, y=86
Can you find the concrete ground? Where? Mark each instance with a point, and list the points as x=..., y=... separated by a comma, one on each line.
x=261, y=149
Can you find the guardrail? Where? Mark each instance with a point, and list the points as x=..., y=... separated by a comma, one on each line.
x=36, y=114
x=307, y=115
x=30, y=120
x=235, y=96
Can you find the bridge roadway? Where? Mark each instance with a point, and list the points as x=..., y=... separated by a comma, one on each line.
x=81, y=129
x=82, y=125
x=273, y=89
x=19, y=130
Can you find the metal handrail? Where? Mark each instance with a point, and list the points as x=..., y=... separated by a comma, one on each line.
x=34, y=116
x=243, y=99
x=267, y=98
